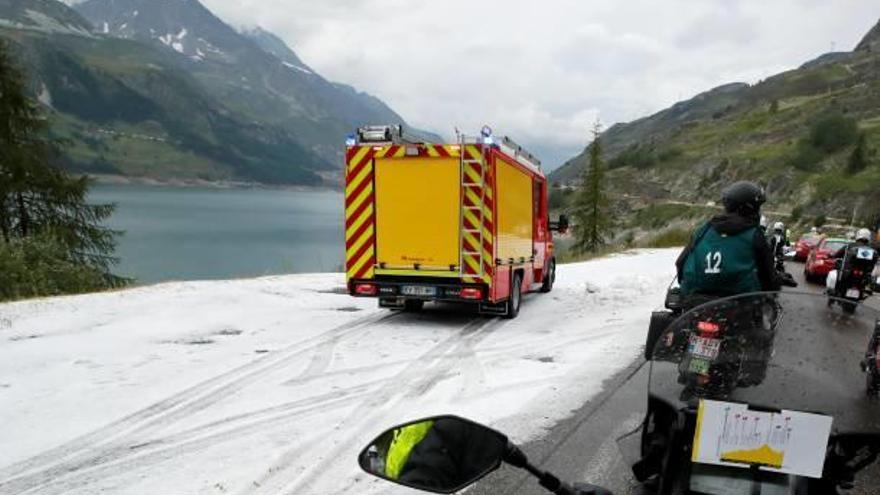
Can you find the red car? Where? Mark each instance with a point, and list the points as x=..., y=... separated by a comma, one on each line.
x=819, y=261
x=803, y=246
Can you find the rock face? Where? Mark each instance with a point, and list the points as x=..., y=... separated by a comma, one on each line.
x=871, y=41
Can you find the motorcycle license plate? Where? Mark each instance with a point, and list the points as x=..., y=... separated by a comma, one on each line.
x=853, y=294
x=865, y=254
x=418, y=290
x=703, y=347
x=699, y=366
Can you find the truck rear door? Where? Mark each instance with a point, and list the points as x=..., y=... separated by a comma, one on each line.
x=417, y=216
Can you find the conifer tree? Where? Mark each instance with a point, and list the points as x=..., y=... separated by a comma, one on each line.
x=37, y=198
x=591, y=204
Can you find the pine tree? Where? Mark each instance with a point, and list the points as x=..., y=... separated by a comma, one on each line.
x=591, y=203
x=858, y=160
x=38, y=199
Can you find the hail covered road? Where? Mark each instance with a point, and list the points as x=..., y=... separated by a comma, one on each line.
x=273, y=385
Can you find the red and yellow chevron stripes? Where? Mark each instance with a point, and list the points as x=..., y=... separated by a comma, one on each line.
x=477, y=197
x=360, y=218
x=441, y=151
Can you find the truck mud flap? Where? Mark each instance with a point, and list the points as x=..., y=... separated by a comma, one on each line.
x=493, y=309
x=392, y=303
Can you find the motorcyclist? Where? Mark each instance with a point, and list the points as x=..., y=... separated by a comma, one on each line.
x=730, y=255
x=858, y=256
x=778, y=243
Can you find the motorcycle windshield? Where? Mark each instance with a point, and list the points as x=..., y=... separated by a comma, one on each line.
x=782, y=351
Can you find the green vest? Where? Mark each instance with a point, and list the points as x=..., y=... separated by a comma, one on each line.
x=721, y=264
x=405, y=439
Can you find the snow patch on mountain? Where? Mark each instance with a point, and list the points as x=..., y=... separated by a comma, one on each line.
x=175, y=41
x=296, y=67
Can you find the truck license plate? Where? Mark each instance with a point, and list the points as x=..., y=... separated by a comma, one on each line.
x=853, y=294
x=703, y=347
x=418, y=290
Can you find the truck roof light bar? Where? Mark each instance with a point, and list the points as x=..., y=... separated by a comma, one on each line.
x=385, y=134
x=510, y=147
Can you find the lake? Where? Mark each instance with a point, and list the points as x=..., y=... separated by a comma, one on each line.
x=175, y=233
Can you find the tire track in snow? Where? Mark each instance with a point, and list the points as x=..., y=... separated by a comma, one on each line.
x=139, y=453
x=194, y=398
x=432, y=367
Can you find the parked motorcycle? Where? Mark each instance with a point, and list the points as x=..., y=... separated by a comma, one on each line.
x=772, y=435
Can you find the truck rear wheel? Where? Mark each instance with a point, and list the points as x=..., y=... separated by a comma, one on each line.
x=549, y=277
x=515, y=300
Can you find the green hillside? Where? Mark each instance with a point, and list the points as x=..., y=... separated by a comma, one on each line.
x=126, y=110
x=795, y=132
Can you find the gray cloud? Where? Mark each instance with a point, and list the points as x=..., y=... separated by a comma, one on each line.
x=544, y=71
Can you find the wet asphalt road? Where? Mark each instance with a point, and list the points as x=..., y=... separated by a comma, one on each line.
x=584, y=447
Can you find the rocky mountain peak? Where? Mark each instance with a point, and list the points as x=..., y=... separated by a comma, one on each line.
x=185, y=26
x=871, y=41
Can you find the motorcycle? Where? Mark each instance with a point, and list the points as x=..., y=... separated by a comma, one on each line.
x=847, y=291
x=728, y=346
x=677, y=304
x=871, y=364
x=772, y=435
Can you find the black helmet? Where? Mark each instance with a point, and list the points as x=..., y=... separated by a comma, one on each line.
x=744, y=198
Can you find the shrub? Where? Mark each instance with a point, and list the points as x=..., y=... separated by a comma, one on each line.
x=806, y=157
x=559, y=198
x=796, y=214
x=670, y=238
x=39, y=266
x=858, y=160
x=834, y=132
x=636, y=156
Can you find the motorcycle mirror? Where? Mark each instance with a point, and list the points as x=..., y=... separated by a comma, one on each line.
x=442, y=454
x=562, y=225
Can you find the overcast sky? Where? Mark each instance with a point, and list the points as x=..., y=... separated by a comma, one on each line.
x=543, y=71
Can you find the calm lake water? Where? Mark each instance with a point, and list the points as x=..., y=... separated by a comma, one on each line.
x=176, y=233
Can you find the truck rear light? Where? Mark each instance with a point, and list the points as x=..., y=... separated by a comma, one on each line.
x=471, y=293
x=366, y=289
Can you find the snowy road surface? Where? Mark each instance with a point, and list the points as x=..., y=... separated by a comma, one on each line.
x=272, y=385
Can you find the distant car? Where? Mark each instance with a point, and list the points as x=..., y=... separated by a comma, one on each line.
x=804, y=245
x=819, y=261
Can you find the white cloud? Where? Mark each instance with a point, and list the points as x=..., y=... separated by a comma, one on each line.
x=543, y=71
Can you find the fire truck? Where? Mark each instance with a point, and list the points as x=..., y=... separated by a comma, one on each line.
x=463, y=222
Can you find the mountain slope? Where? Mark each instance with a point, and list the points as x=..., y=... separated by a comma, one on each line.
x=166, y=90
x=47, y=16
x=765, y=132
x=275, y=46
x=127, y=109
x=257, y=74
x=871, y=41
